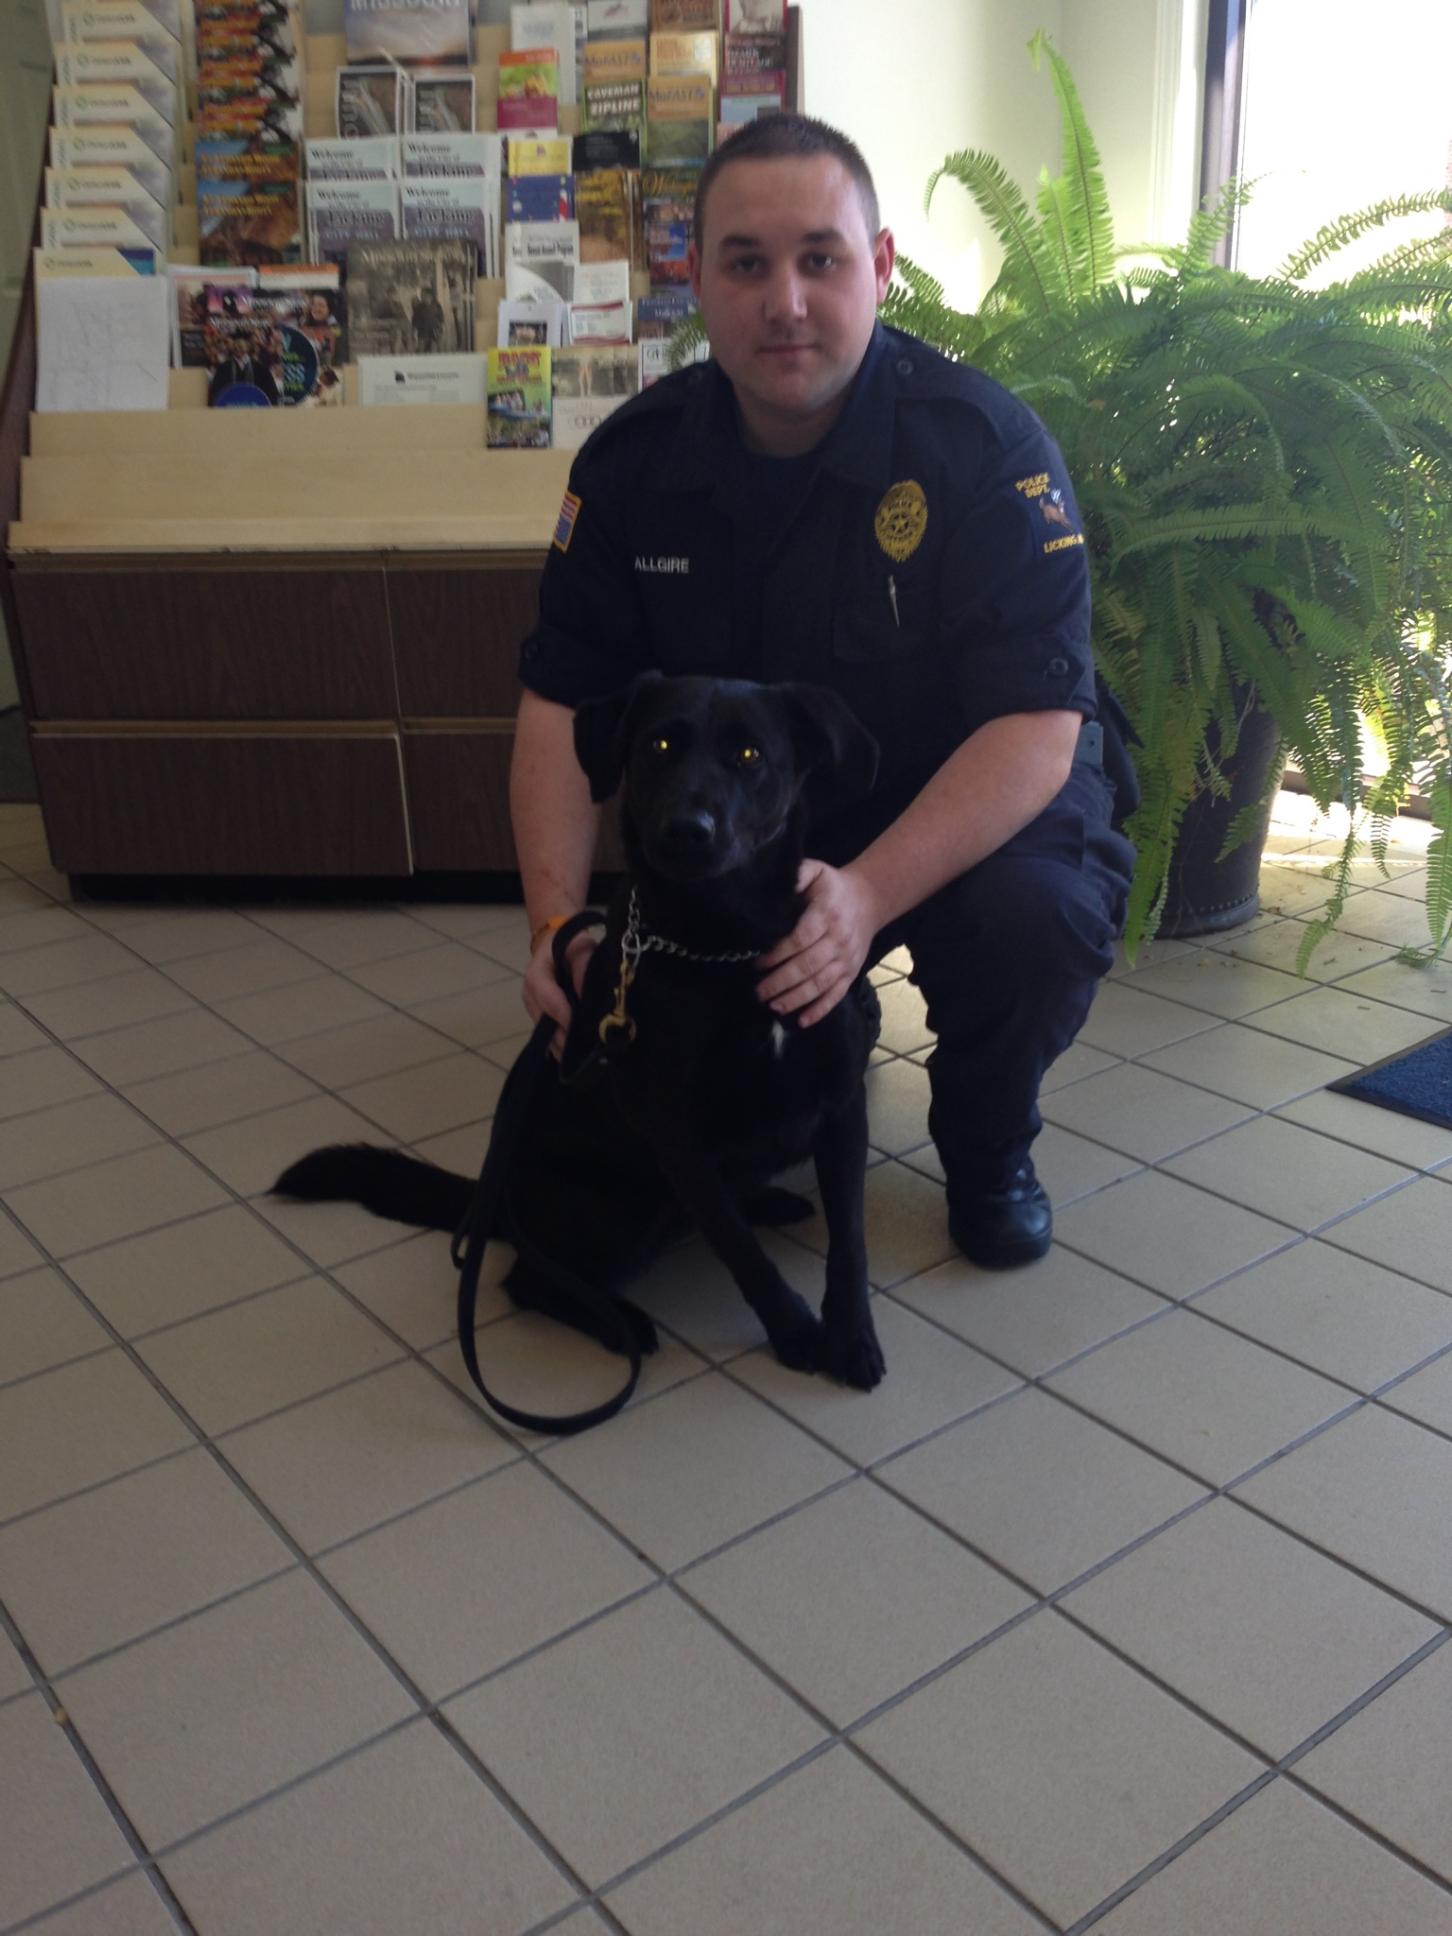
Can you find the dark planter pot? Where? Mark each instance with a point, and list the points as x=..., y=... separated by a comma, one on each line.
x=1207, y=894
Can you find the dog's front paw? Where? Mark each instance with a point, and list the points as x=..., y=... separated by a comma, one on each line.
x=852, y=1355
x=798, y=1344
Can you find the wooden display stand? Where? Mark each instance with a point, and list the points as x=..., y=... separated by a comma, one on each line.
x=272, y=642
x=275, y=643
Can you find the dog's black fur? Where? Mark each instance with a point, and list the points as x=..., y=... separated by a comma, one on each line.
x=712, y=1097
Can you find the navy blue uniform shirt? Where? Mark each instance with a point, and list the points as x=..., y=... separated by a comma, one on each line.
x=925, y=560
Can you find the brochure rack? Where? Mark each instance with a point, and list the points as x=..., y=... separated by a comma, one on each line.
x=272, y=642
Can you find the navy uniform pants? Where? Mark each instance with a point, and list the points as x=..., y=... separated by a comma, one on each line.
x=1008, y=957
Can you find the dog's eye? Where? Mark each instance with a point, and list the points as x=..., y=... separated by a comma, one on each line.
x=660, y=744
x=749, y=755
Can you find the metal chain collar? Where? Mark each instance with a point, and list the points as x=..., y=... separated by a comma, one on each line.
x=634, y=944
x=618, y=1027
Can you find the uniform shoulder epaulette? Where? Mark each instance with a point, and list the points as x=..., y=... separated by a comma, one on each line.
x=925, y=373
x=928, y=372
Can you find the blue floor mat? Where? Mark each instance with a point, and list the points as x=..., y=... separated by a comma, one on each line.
x=1418, y=1082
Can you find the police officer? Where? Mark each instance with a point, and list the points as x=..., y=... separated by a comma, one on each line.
x=831, y=500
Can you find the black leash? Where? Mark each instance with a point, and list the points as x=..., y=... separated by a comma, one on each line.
x=487, y=1216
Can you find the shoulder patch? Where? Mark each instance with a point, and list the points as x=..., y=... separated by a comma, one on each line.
x=565, y=528
x=1054, y=510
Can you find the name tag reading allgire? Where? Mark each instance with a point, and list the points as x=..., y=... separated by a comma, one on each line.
x=665, y=566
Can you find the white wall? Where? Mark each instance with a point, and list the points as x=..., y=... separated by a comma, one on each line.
x=914, y=83
x=1139, y=68
x=952, y=74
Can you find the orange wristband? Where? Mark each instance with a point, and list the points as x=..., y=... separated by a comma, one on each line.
x=546, y=927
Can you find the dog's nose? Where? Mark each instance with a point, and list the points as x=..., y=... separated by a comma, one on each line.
x=690, y=832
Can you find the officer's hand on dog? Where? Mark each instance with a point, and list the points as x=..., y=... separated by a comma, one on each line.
x=813, y=967
x=542, y=992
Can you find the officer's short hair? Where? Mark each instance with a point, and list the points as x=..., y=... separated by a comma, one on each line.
x=770, y=137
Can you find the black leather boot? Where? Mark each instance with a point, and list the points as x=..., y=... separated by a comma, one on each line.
x=1005, y=1225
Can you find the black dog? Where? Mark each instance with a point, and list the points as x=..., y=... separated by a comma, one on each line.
x=703, y=1094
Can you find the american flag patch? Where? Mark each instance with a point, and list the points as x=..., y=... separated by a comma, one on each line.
x=565, y=529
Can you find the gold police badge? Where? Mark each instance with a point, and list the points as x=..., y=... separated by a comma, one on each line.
x=900, y=520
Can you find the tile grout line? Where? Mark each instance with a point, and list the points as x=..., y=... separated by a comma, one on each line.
x=130, y=1834
x=254, y=1043
x=151, y=1331
x=845, y=1732
x=305, y=1564
x=859, y=1470
x=1212, y=1490
x=312, y=1265
x=163, y=1627
x=798, y=1507
x=424, y=1706
x=1263, y=1112
x=1284, y=1771
x=1295, y=1234
x=407, y=1353
x=840, y=1739
x=663, y=1579
x=1042, y=1603
x=723, y=1366
x=340, y=1604
x=417, y=1356
x=1168, y=1856
x=475, y=1049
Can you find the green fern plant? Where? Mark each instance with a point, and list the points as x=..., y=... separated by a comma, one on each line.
x=1265, y=475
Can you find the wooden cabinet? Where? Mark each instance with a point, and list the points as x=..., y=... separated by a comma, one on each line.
x=308, y=716
x=250, y=800
x=223, y=676
x=458, y=796
x=456, y=634
x=132, y=642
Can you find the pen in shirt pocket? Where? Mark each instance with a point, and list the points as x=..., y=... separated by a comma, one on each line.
x=892, y=600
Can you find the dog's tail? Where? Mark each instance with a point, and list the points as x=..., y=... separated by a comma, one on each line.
x=384, y=1181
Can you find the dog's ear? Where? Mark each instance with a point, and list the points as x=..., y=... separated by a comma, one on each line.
x=832, y=743
x=602, y=734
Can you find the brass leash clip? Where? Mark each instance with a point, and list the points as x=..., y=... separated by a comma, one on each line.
x=618, y=1019
x=631, y=949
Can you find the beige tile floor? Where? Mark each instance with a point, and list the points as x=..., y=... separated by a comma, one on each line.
x=1121, y=1605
